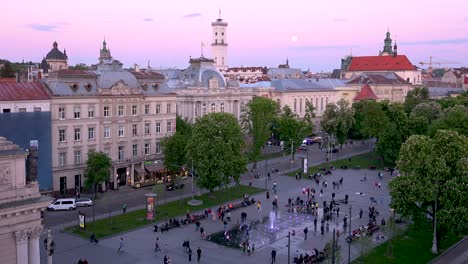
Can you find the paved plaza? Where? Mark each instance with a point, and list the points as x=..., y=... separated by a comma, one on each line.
x=139, y=243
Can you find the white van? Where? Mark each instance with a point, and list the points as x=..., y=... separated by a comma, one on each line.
x=62, y=204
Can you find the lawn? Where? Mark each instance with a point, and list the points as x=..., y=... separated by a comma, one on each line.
x=412, y=246
x=132, y=220
x=362, y=161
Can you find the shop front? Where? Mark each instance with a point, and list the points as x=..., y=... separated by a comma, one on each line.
x=155, y=173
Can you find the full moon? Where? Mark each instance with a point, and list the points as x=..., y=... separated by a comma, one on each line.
x=294, y=38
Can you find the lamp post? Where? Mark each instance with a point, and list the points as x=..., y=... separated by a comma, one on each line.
x=349, y=235
x=49, y=245
x=266, y=172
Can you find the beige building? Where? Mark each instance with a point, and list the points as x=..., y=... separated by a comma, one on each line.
x=20, y=205
x=55, y=60
x=123, y=114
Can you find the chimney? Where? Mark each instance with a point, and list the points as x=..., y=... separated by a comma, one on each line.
x=31, y=164
x=17, y=77
x=39, y=75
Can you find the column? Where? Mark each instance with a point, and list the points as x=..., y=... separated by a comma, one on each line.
x=33, y=245
x=21, y=246
x=132, y=174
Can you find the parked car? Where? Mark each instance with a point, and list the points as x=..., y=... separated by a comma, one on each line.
x=174, y=186
x=80, y=202
x=335, y=150
x=62, y=204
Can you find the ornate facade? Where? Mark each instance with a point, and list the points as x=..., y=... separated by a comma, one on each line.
x=20, y=205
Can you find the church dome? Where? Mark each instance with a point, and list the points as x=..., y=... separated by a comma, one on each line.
x=56, y=54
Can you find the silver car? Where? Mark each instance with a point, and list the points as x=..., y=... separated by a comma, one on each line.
x=84, y=202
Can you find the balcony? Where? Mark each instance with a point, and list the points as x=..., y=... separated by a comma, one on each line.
x=129, y=161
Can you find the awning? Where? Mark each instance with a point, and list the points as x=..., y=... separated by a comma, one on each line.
x=139, y=170
x=154, y=167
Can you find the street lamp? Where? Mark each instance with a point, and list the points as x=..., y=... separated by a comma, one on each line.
x=49, y=245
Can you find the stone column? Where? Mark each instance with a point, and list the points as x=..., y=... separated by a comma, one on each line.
x=33, y=245
x=132, y=174
x=21, y=246
x=114, y=178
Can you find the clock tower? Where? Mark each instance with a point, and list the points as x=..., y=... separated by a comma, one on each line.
x=219, y=44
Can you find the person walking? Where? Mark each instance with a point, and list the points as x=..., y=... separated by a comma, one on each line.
x=124, y=208
x=306, y=230
x=199, y=251
x=259, y=206
x=202, y=230
x=157, y=248
x=190, y=255
x=121, y=245
x=85, y=261
x=360, y=213
x=80, y=261
x=273, y=256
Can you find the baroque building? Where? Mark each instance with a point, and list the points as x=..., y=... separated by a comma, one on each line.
x=54, y=60
x=121, y=113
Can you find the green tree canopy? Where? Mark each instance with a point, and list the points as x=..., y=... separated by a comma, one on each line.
x=7, y=71
x=216, y=150
x=338, y=119
x=374, y=119
x=97, y=169
x=414, y=97
x=257, y=119
x=291, y=130
x=434, y=167
x=175, y=146
x=429, y=110
x=418, y=125
x=455, y=118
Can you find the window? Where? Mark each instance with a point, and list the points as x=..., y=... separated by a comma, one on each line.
x=222, y=107
x=134, y=110
x=135, y=150
x=91, y=112
x=37, y=109
x=134, y=129
x=300, y=105
x=158, y=147
x=169, y=106
x=147, y=109
x=61, y=112
x=197, y=111
x=321, y=103
x=90, y=133
x=121, y=131
x=295, y=105
x=106, y=132
x=77, y=157
x=158, y=108
x=316, y=103
x=120, y=110
x=213, y=107
x=121, y=153
x=147, y=128
x=147, y=149
x=63, y=185
x=106, y=111
x=107, y=152
x=62, y=135
x=22, y=110
x=76, y=112
x=77, y=134
x=158, y=127
x=62, y=158
x=169, y=126
x=326, y=102
x=204, y=109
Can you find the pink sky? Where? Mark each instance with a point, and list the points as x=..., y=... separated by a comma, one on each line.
x=260, y=32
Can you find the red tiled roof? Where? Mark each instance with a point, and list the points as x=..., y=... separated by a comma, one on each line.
x=23, y=91
x=380, y=63
x=7, y=80
x=75, y=72
x=366, y=93
x=147, y=75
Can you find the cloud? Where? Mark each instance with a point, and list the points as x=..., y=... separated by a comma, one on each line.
x=192, y=15
x=47, y=27
x=340, y=20
x=436, y=42
x=148, y=19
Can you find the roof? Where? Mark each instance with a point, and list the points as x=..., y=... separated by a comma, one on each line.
x=284, y=72
x=306, y=84
x=381, y=63
x=7, y=80
x=147, y=75
x=246, y=69
x=23, y=91
x=378, y=78
x=366, y=93
x=7, y=148
x=56, y=54
x=336, y=74
x=443, y=91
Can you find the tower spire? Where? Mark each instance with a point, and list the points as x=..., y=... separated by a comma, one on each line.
x=219, y=13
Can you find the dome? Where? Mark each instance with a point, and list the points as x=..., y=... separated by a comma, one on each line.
x=56, y=54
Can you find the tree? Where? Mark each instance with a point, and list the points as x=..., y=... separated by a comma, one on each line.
x=291, y=130
x=429, y=110
x=309, y=114
x=455, y=118
x=338, y=119
x=418, y=125
x=355, y=130
x=389, y=144
x=397, y=115
x=7, y=71
x=175, y=146
x=414, y=97
x=374, y=119
x=433, y=169
x=256, y=119
x=216, y=150
x=97, y=170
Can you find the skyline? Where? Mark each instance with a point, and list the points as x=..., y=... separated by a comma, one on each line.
x=259, y=33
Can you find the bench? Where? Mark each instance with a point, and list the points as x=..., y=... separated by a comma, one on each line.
x=195, y=218
x=169, y=226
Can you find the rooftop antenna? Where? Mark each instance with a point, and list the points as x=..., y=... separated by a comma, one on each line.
x=220, y=13
x=202, y=46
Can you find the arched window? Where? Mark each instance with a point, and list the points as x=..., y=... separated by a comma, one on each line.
x=295, y=105
x=204, y=109
x=300, y=105
x=316, y=103
x=213, y=107
x=221, y=107
x=326, y=102
x=321, y=103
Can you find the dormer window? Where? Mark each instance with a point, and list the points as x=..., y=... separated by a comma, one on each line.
x=144, y=86
x=155, y=86
x=74, y=87
x=88, y=87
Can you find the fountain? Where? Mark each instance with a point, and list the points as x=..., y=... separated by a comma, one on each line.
x=273, y=223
